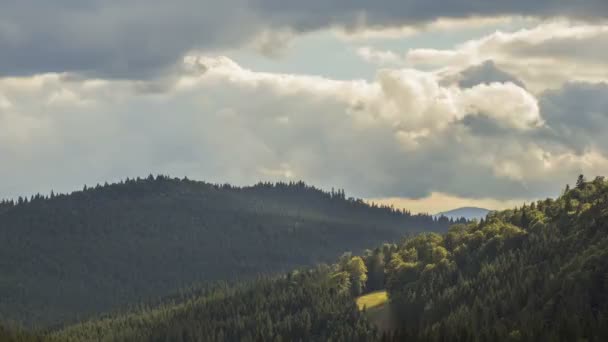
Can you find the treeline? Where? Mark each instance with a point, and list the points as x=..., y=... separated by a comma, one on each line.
x=65, y=257
x=296, y=193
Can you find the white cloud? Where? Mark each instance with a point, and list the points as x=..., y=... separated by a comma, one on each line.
x=505, y=102
x=4, y=103
x=545, y=56
x=403, y=134
x=378, y=57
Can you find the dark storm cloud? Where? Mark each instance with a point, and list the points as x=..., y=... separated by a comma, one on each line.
x=135, y=38
x=577, y=115
x=312, y=14
x=122, y=39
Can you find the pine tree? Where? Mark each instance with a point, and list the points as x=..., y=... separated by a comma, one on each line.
x=580, y=182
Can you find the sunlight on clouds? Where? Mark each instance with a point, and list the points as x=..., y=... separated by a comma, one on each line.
x=379, y=57
x=544, y=57
x=408, y=99
x=65, y=97
x=4, y=102
x=505, y=102
x=282, y=172
x=17, y=129
x=215, y=119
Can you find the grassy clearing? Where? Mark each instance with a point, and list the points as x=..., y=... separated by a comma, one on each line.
x=377, y=310
x=372, y=300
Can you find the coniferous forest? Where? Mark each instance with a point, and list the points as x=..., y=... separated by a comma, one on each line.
x=66, y=257
x=538, y=272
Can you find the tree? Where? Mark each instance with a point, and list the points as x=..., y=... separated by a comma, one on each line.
x=340, y=281
x=375, y=267
x=358, y=275
x=580, y=182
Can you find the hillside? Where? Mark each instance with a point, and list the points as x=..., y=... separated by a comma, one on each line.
x=65, y=257
x=535, y=273
x=469, y=213
x=300, y=306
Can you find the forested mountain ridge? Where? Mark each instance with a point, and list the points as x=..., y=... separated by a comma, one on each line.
x=68, y=256
x=534, y=273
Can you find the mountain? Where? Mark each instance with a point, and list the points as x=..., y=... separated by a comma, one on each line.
x=468, y=213
x=534, y=273
x=70, y=256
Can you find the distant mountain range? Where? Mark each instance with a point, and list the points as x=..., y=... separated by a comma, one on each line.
x=468, y=213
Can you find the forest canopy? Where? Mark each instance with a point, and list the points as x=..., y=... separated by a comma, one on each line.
x=65, y=257
x=538, y=272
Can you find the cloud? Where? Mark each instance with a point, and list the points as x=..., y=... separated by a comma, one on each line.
x=485, y=73
x=272, y=43
x=4, y=104
x=379, y=57
x=124, y=39
x=391, y=13
x=543, y=57
x=403, y=134
x=441, y=24
x=135, y=39
x=504, y=102
x=577, y=114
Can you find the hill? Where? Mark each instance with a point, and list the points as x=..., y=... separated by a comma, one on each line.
x=305, y=305
x=469, y=213
x=534, y=273
x=69, y=256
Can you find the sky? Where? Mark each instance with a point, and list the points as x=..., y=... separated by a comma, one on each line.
x=427, y=105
